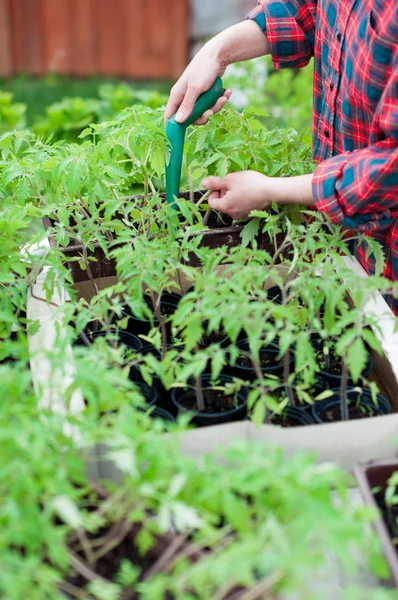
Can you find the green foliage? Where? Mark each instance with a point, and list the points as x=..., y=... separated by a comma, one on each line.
x=264, y=520
x=12, y=116
x=285, y=95
x=67, y=119
x=40, y=92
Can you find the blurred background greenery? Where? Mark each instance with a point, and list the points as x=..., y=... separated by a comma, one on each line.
x=64, y=106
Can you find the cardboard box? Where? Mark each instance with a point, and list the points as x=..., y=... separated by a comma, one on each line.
x=344, y=443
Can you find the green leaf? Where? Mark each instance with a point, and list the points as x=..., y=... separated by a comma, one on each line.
x=250, y=232
x=356, y=358
x=67, y=511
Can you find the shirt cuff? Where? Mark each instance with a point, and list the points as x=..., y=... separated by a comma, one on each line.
x=330, y=200
x=289, y=46
x=258, y=15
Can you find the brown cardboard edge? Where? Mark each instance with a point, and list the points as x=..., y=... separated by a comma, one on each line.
x=361, y=474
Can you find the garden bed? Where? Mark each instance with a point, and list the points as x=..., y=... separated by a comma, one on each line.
x=218, y=231
x=345, y=442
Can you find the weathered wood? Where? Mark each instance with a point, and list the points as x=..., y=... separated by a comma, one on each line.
x=84, y=37
x=128, y=38
x=27, y=36
x=6, y=53
x=56, y=19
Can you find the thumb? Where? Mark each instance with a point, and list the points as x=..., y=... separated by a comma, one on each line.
x=187, y=105
x=213, y=183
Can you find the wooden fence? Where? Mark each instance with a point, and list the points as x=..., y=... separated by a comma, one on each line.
x=127, y=38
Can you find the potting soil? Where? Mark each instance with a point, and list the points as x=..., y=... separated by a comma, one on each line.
x=215, y=401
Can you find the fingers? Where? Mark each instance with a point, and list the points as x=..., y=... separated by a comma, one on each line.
x=219, y=201
x=219, y=105
x=203, y=120
x=213, y=183
x=175, y=99
x=188, y=103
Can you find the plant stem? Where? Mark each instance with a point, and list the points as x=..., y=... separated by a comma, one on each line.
x=286, y=375
x=199, y=394
x=159, y=316
x=88, y=268
x=264, y=391
x=71, y=590
x=123, y=530
x=165, y=557
x=207, y=217
x=261, y=590
x=343, y=393
x=83, y=569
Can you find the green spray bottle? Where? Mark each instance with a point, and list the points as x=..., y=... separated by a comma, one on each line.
x=175, y=133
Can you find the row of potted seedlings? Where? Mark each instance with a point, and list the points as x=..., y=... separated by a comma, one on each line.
x=333, y=396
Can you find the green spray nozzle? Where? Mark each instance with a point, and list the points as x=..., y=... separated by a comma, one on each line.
x=176, y=135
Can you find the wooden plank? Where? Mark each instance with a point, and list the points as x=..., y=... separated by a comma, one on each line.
x=84, y=37
x=110, y=36
x=179, y=50
x=134, y=60
x=6, y=58
x=57, y=35
x=27, y=36
x=159, y=37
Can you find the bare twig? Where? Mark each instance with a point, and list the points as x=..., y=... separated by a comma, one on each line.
x=165, y=557
x=71, y=590
x=115, y=541
x=83, y=569
x=343, y=392
x=262, y=590
x=88, y=268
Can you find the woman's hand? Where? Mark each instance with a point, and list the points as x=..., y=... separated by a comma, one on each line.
x=240, y=42
x=197, y=78
x=239, y=193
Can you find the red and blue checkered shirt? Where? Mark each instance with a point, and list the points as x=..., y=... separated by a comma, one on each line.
x=355, y=118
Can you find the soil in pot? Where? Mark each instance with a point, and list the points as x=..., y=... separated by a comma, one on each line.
x=360, y=406
x=218, y=221
x=123, y=338
x=143, y=326
x=215, y=337
x=112, y=545
x=220, y=407
x=269, y=362
x=332, y=365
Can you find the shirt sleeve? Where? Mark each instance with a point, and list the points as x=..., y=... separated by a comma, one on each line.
x=290, y=29
x=359, y=190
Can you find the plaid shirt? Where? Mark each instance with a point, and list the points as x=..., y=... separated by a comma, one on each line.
x=355, y=120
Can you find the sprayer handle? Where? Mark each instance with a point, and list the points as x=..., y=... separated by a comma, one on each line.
x=205, y=101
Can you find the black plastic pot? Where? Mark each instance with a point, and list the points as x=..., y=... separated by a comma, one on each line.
x=125, y=338
x=355, y=398
x=156, y=412
x=206, y=419
x=275, y=294
x=164, y=396
x=150, y=394
x=248, y=373
x=219, y=338
x=161, y=413
x=332, y=380
x=143, y=326
x=299, y=415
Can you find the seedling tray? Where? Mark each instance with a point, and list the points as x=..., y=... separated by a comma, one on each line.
x=101, y=266
x=344, y=443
